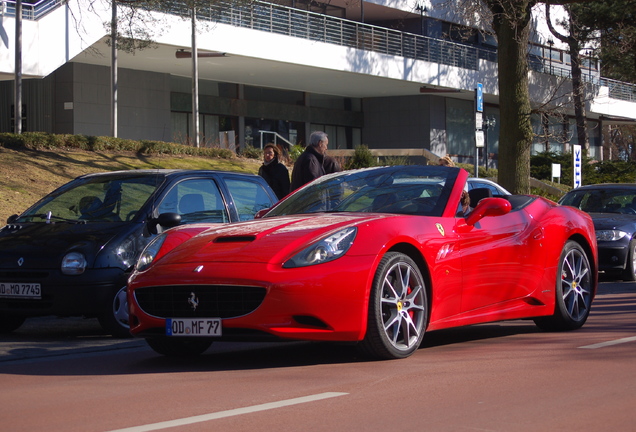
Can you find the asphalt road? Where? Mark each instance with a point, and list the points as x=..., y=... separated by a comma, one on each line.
x=66, y=375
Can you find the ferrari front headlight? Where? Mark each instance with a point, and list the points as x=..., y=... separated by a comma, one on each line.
x=610, y=235
x=150, y=253
x=328, y=249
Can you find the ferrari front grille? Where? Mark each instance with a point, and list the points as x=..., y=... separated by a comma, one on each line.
x=209, y=301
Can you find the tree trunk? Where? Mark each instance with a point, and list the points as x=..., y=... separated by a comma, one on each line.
x=578, y=94
x=515, y=137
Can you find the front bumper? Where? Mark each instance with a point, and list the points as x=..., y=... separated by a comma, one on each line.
x=322, y=302
x=612, y=255
x=63, y=295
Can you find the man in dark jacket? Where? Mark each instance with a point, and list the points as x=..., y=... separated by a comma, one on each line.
x=308, y=166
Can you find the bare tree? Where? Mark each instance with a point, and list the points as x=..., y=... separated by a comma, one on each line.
x=510, y=20
x=576, y=37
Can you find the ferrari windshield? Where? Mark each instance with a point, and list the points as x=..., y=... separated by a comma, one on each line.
x=112, y=198
x=416, y=190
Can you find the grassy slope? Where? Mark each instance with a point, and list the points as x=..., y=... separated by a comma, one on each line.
x=27, y=175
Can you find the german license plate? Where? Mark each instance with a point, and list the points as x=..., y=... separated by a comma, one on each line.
x=20, y=290
x=193, y=327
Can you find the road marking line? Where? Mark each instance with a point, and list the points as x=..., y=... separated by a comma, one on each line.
x=610, y=343
x=230, y=413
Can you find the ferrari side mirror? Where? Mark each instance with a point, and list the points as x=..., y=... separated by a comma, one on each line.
x=259, y=214
x=488, y=207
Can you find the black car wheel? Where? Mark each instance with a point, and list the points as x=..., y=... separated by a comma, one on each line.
x=179, y=347
x=114, y=317
x=397, y=309
x=9, y=323
x=574, y=291
x=629, y=274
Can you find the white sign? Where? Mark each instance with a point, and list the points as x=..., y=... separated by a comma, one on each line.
x=556, y=170
x=479, y=120
x=577, y=164
x=479, y=138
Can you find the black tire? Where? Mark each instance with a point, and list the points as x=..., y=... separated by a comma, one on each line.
x=574, y=291
x=179, y=347
x=629, y=274
x=9, y=323
x=398, y=309
x=114, y=316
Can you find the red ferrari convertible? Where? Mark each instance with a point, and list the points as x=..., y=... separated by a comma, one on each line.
x=375, y=256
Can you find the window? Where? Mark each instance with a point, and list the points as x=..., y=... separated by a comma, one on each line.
x=196, y=200
x=249, y=197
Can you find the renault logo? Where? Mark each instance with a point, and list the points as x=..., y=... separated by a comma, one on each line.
x=21, y=261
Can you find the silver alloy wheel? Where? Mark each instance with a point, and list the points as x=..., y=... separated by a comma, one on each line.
x=629, y=274
x=633, y=253
x=576, y=284
x=403, y=303
x=120, y=308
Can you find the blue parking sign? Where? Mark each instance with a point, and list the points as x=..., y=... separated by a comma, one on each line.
x=479, y=97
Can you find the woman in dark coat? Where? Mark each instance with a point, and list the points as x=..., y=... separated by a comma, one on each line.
x=274, y=172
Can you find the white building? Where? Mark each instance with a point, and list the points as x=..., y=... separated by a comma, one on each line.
x=384, y=73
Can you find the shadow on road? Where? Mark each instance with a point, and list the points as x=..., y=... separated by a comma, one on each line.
x=75, y=346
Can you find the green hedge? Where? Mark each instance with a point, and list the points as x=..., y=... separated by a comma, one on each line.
x=46, y=141
x=593, y=172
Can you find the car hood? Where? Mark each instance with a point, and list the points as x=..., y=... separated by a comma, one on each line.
x=42, y=245
x=264, y=240
x=605, y=221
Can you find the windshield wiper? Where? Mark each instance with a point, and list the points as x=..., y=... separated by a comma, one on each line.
x=49, y=217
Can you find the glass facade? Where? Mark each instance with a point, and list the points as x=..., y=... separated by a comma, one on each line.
x=283, y=117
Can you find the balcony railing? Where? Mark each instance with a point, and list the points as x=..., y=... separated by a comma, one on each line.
x=292, y=22
x=30, y=11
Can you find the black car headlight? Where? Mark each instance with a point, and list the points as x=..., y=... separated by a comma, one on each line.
x=610, y=235
x=73, y=263
x=328, y=249
x=150, y=253
x=126, y=252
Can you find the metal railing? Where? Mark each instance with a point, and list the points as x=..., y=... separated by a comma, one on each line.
x=292, y=22
x=617, y=89
x=317, y=27
x=31, y=11
x=276, y=137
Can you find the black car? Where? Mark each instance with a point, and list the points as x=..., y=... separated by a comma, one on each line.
x=70, y=254
x=613, y=209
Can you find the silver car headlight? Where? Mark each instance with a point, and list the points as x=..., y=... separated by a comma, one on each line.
x=610, y=235
x=73, y=263
x=150, y=253
x=328, y=249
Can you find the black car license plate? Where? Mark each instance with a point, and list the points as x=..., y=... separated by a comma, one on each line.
x=20, y=290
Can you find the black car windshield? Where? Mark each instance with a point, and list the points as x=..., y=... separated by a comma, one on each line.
x=416, y=190
x=111, y=198
x=602, y=200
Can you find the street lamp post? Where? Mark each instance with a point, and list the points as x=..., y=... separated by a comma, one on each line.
x=421, y=9
x=17, y=107
x=550, y=44
x=195, y=81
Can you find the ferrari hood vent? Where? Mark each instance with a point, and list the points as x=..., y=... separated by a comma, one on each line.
x=235, y=239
